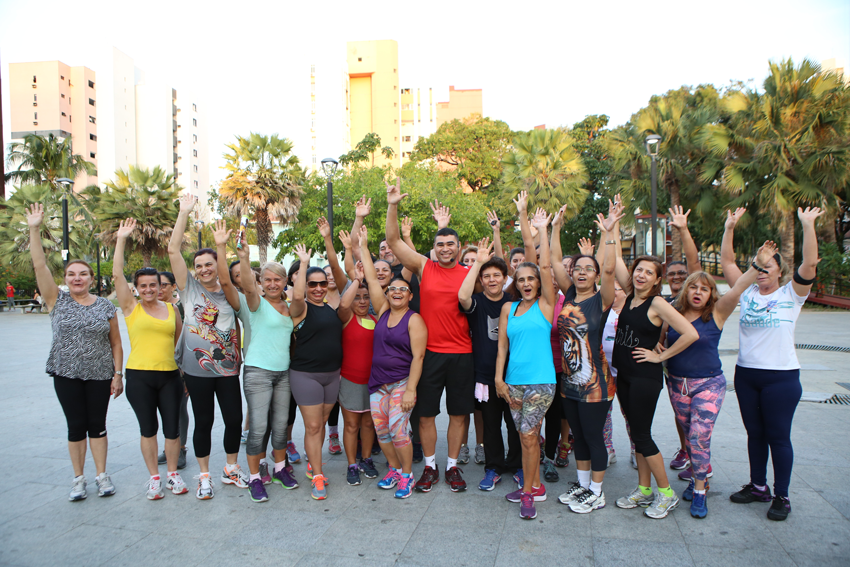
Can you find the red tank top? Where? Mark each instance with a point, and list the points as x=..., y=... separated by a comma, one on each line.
x=357, y=351
x=448, y=327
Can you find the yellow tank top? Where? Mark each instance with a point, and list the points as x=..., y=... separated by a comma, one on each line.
x=151, y=340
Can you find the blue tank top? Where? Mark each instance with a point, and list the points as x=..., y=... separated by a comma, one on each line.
x=530, y=359
x=701, y=359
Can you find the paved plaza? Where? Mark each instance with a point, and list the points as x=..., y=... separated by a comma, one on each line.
x=363, y=525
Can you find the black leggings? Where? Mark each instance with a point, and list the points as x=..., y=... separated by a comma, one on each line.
x=204, y=392
x=493, y=412
x=552, y=427
x=85, y=403
x=333, y=418
x=152, y=390
x=587, y=422
x=638, y=398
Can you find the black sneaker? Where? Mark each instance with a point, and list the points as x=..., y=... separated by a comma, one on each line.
x=353, y=475
x=549, y=472
x=160, y=459
x=181, y=460
x=368, y=468
x=780, y=509
x=749, y=493
x=418, y=455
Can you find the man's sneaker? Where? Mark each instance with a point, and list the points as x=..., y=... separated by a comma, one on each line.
x=244, y=438
x=334, y=448
x=264, y=473
x=155, y=491
x=78, y=489
x=479, y=454
x=562, y=459
x=426, y=482
x=527, y=511
x=258, y=491
x=181, y=459
x=633, y=461
x=454, y=480
x=587, y=501
x=463, y=455
x=519, y=479
x=680, y=460
x=368, y=468
x=418, y=455
x=405, y=486
x=391, y=479
x=205, y=487
x=491, y=479
x=749, y=493
x=688, y=472
x=542, y=448
x=320, y=489
x=688, y=494
x=612, y=458
x=549, y=472
x=104, y=485
x=699, y=509
x=661, y=506
x=161, y=459
x=353, y=475
x=292, y=453
x=376, y=447
x=779, y=509
x=234, y=475
x=539, y=494
x=635, y=499
x=285, y=478
x=569, y=495
x=176, y=485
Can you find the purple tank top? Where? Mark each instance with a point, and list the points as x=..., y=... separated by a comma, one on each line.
x=391, y=353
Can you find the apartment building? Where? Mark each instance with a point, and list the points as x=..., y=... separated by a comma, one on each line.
x=418, y=118
x=330, y=114
x=462, y=104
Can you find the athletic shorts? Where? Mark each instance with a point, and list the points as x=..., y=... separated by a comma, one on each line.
x=529, y=403
x=354, y=397
x=451, y=372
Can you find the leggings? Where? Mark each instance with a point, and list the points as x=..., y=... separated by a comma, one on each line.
x=493, y=412
x=389, y=419
x=85, y=403
x=529, y=403
x=152, y=390
x=333, y=418
x=638, y=397
x=267, y=394
x=696, y=403
x=768, y=400
x=609, y=430
x=204, y=391
x=587, y=422
x=552, y=425
x=184, y=415
x=292, y=407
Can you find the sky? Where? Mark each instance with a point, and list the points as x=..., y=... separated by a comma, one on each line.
x=548, y=63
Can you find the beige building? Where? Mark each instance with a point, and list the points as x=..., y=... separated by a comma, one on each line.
x=418, y=118
x=462, y=104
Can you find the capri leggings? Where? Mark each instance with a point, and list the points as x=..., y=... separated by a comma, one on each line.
x=204, y=391
x=85, y=403
x=152, y=390
x=696, y=403
x=267, y=394
x=639, y=396
x=552, y=425
x=314, y=388
x=587, y=422
x=390, y=421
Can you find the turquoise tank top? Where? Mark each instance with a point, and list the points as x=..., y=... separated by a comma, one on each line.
x=530, y=359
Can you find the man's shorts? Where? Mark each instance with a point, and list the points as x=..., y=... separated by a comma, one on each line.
x=453, y=372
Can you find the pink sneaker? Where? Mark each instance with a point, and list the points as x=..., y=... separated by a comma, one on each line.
x=680, y=460
x=538, y=493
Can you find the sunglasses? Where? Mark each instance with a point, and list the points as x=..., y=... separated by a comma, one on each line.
x=323, y=283
x=394, y=288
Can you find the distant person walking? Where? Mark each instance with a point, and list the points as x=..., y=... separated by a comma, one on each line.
x=10, y=295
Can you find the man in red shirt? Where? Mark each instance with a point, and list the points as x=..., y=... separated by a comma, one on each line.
x=10, y=295
x=448, y=358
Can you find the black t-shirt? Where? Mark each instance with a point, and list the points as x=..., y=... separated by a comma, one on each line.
x=483, y=317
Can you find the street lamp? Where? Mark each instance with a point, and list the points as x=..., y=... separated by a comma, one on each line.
x=65, y=183
x=329, y=166
x=97, y=255
x=652, y=142
x=199, y=224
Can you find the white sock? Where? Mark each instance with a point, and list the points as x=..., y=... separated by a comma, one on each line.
x=334, y=429
x=450, y=462
x=172, y=473
x=228, y=467
x=155, y=477
x=431, y=461
x=596, y=487
x=584, y=478
x=762, y=488
x=254, y=476
x=76, y=478
x=699, y=491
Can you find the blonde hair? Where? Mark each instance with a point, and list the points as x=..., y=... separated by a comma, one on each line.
x=681, y=303
x=277, y=269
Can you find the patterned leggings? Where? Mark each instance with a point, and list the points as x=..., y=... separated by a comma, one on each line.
x=390, y=422
x=609, y=430
x=696, y=403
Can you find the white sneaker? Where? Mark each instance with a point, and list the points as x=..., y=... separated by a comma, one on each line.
x=176, y=485
x=587, y=502
x=479, y=454
x=633, y=461
x=234, y=475
x=78, y=489
x=661, y=506
x=635, y=499
x=154, y=486
x=612, y=458
x=104, y=485
x=205, y=487
x=568, y=496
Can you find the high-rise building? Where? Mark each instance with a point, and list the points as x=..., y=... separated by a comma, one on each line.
x=193, y=166
x=462, y=104
x=330, y=118
x=418, y=118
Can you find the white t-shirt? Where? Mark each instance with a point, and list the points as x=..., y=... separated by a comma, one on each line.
x=609, y=333
x=766, y=329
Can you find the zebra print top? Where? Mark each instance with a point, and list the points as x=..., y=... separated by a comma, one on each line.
x=81, y=346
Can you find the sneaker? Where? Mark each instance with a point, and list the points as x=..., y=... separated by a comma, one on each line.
x=235, y=476
x=405, y=486
x=320, y=489
x=161, y=458
x=542, y=449
x=376, y=447
x=635, y=499
x=426, y=482
x=292, y=453
x=264, y=473
x=661, y=506
x=418, y=455
x=176, y=485
x=205, y=487
x=78, y=489
x=454, y=480
x=181, y=459
x=334, y=448
x=633, y=461
x=285, y=478
x=519, y=479
x=463, y=456
x=309, y=473
x=562, y=458
x=353, y=475
x=539, y=494
x=549, y=472
x=749, y=493
x=779, y=509
x=288, y=468
x=587, y=501
x=104, y=485
x=680, y=460
x=244, y=438
x=688, y=472
x=258, y=491
x=392, y=478
x=698, y=506
x=155, y=491
x=479, y=454
x=491, y=479
x=368, y=468
x=527, y=511
x=569, y=495
x=612, y=458
x=688, y=494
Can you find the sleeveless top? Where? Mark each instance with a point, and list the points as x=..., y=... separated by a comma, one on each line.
x=635, y=330
x=585, y=375
x=318, y=341
x=357, y=350
x=151, y=340
x=391, y=353
x=271, y=336
x=701, y=359
x=530, y=359
x=81, y=347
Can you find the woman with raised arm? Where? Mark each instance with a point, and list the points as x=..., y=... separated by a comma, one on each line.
x=85, y=358
x=397, y=357
x=153, y=380
x=208, y=354
x=767, y=374
x=529, y=385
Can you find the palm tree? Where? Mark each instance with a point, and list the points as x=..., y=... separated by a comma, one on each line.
x=44, y=159
x=265, y=181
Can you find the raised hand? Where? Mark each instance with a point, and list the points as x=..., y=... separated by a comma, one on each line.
x=558, y=219
x=324, y=227
x=220, y=233
x=678, y=218
x=585, y=246
x=766, y=252
x=363, y=207
x=541, y=219
x=609, y=223
x=733, y=218
x=441, y=214
x=304, y=255
x=187, y=202
x=364, y=236
x=808, y=216
x=406, y=227
x=345, y=238
x=493, y=219
x=35, y=215
x=243, y=251
x=126, y=228
x=485, y=250
x=521, y=202
x=394, y=194
x=359, y=272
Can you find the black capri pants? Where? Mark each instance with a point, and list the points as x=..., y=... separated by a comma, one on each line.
x=85, y=403
x=204, y=391
x=638, y=398
x=587, y=422
x=152, y=390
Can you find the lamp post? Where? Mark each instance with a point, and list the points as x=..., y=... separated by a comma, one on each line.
x=199, y=224
x=65, y=183
x=652, y=142
x=329, y=166
x=97, y=256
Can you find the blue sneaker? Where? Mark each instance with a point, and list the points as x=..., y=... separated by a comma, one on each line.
x=368, y=468
x=688, y=494
x=698, y=506
x=320, y=488
x=491, y=479
x=292, y=453
x=258, y=491
x=518, y=478
x=405, y=486
x=353, y=475
x=390, y=480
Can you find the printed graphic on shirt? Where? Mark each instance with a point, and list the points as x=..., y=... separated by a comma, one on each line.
x=223, y=357
x=626, y=338
x=756, y=315
x=493, y=328
x=580, y=374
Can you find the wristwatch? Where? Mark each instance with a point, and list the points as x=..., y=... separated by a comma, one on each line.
x=118, y=374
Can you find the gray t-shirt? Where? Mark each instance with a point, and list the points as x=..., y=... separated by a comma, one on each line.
x=81, y=347
x=209, y=343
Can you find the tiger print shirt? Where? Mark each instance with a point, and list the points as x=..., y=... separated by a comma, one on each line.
x=81, y=347
x=584, y=369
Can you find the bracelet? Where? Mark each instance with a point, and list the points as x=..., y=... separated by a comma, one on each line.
x=758, y=268
x=802, y=281
x=118, y=374
x=610, y=242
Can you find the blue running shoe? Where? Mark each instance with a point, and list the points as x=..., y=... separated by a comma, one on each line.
x=698, y=506
x=292, y=453
x=390, y=480
x=518, y=478
x=491, y=479
x=405, y=486
x=353, y=475
x=688, y=494
x=368, y=468
x=320, y=488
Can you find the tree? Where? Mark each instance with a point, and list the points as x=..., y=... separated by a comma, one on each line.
x=43, y=160
x=365, y=150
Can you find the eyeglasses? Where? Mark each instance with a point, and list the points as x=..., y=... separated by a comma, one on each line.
x=394, y=288
x=682, y=273
x=323, y=283
x=584, y=270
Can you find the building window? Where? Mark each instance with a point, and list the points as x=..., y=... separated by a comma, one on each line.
x=91, y=154
x=314, y=160
x=92, y=137
x=91, y=84
x=312, y=69
x=195, y=153
x=69, y=119
x=395, y=121
x=394, y=70
x=194, y=107
x=196, y=184
x=34, y=79
x=63, y=114
x=195, y=138
x=61, y=77
x=92, y=120
x=406, y=138
x=395, y=104
x=35, y=115
x=359, y=59
x=196, y=169
x=91, y=101
x=35, y=98
x=405, y=91
x=62, y=95
x=194, y=122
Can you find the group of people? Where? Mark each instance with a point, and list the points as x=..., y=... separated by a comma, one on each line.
x=511, y=339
